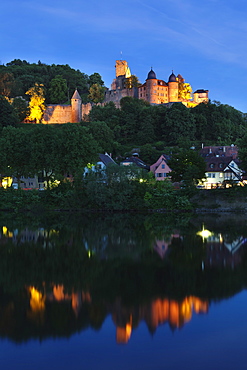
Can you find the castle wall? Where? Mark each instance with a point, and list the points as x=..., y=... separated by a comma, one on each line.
x=57, y=114
x=116, y=95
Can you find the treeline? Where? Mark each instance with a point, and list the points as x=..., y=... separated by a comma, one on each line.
x=139, y=123
x=60, y=81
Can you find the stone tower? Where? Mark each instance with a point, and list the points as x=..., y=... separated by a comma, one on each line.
x=173, y=88
x=151, y=87
x=76, y=108
x=121, y=67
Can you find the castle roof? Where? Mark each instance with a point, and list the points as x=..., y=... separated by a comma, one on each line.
x=172, y=78
x=151, y=75
x=76, y=95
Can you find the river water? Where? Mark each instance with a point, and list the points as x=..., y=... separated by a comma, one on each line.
x=123, y=291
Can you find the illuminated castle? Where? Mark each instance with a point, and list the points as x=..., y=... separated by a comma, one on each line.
x=61, y=113
x=121, y=86
x=154, y=91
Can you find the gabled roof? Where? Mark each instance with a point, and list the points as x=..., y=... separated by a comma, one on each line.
x=137, y=161
x=106, y=159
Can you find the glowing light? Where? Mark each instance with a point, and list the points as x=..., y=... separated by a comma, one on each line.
x=37, y=301
x=204, y=233
x=6, y=182
x=6, y=232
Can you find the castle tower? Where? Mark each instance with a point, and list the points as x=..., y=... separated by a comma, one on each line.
x=151, y=87
x=172, y=88
x=76, y=108
x=121, y=67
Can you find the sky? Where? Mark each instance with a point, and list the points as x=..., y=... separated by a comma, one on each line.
x=204, y=41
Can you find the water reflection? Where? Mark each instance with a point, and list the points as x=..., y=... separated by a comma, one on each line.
x=65, y=274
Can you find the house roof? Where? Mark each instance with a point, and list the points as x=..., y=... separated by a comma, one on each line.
x=137, y=161
x=220, y=151
x=106, y=159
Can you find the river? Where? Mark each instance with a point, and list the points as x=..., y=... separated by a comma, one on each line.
x=123, y=291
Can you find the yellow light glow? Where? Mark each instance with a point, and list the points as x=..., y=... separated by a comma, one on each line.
x=37, y=301
x=6, y=232
x=204, y=233
x=6, y=182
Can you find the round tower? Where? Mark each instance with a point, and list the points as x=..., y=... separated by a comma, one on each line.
x=76, y=108
x=151, y=87
x=173, y=88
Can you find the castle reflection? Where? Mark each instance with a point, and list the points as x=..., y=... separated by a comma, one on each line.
x=158, y=312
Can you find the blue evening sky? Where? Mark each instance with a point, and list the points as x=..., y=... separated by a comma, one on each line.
x=204, y=41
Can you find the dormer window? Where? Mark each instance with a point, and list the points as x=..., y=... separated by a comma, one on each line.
x=211, y=165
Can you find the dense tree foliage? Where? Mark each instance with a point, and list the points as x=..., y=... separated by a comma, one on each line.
x=187, y=167
x=18, y=76
x=8, y=115
x=138, y=123
x=47, y=150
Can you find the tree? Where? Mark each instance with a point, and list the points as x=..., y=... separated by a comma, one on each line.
x=6, y=83
x=96, y=93
x=103, y=135
x=21, y=108
x=77, y=148
x=95, y=78
x=8, y=116
x=132, y=81
x=178, y=123
x=58, y=90
x=187, y=166
x=36, y=104
x=15, y=144
x=184, y=91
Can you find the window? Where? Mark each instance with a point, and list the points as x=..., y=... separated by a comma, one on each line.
x=211, y=165
x=163, y=166
x=209, y=175
x=159, y=174
x=221, y=165
x=213, y=175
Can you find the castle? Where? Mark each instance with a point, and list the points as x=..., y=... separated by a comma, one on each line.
x=154, y=91
x=61, y=113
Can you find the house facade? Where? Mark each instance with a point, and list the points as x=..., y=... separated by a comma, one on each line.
x=222, y=165
x=160, y=169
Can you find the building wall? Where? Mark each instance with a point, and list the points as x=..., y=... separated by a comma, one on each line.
x=57, y=114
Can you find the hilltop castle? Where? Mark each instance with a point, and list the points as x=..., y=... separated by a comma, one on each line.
x=154, y=91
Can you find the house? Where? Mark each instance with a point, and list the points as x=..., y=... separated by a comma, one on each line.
x=160, y=169
x=136, y=161
x=222, y=165
x=103, y=161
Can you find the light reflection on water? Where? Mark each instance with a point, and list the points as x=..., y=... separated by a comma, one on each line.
x=162, y=298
